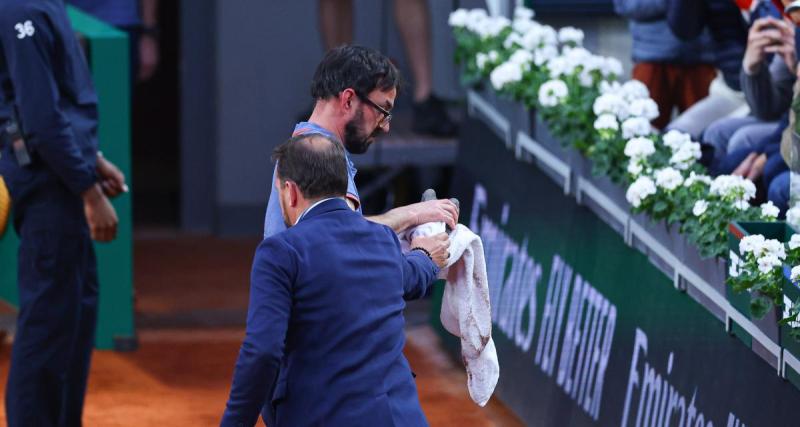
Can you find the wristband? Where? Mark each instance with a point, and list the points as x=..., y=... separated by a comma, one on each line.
x=423, y=250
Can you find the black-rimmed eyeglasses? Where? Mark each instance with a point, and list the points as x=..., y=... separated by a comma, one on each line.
x=387, y=116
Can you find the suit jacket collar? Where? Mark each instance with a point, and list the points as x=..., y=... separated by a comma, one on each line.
x=324, y=207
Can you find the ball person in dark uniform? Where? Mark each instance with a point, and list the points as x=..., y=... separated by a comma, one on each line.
x=59, y=185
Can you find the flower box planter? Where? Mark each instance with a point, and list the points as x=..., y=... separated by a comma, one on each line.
x=712, y=271
x=518, y=117
x=741, y=301
x=542, y=135
x=665, y=236
x=791, y=292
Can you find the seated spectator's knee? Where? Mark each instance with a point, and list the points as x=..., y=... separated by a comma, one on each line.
x=778, y=191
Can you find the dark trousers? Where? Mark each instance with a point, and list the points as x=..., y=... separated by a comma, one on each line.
x=57, y=280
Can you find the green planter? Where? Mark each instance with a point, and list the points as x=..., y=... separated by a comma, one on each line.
x=791, y=292
x=741, y=301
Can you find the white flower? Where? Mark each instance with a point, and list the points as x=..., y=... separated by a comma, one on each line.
x=769, y=210
x=606, y=122
x=794, y=242
x=668, y=178
x=644, y=107
x=505, y=73
x=734, y=188
x=551, y=93
x=635, y=168
x=611, y=103
x=793, y=216
x=610, y=87
x=633, y=90
x=513, y=38
x=612, y=67
x=523, y=13
x=521, y=26
x=476, y=19
x=795, y=276
x=774, y=248
x=585, y=78
x=570, y=35
x=539, y=36
x=742, y=205
x=481, y=59
x=752, y=243
x=675, y=139
x=458, y=18
x=639, y=148
x=636, y=126
x=543, y=54
x=694, y=178
x=486, y=26
x=559, y=67
x=767, y=263
x=700, y=207
x=641, y=189
x=521, y=57
x=686, y=155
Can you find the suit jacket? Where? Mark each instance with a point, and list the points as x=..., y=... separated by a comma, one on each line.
x=325, y=326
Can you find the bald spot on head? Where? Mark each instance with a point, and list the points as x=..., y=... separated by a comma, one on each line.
x=316, y=163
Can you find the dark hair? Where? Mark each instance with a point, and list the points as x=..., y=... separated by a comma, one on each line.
x=357, y=67
x=319, y=170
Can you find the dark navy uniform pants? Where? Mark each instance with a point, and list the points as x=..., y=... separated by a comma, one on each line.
x=57, y=311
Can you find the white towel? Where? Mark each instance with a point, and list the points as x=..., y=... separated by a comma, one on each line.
x=466, y=309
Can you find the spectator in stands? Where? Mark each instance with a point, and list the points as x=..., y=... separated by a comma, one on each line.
x=677, y=72
x=767, y=167
x=688, y=19
x=413, y=21
x=767, y=89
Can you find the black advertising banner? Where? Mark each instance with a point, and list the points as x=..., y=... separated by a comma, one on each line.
x=588, y=332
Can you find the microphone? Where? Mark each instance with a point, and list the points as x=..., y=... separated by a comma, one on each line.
x=430, y=194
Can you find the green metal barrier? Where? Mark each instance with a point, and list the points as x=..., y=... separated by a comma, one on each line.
x=107, y=50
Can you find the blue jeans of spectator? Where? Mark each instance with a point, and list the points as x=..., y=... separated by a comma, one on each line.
x=778, y=191
x=729, y=135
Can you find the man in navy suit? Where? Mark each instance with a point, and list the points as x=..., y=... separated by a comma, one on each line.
x=325, y=323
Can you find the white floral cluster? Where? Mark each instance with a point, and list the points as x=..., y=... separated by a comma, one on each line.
x=734, y=189
x=478, y=22
x=559, y=51
x=630, y=104
x=511, y=71
x=668, y=178
x=793, y=244
x=483, y=59
x=685, y=152
x=638, y=150
x=769, y=253
x=641, y=189
x=590, y=69
x=552, y=93
x=570, y=36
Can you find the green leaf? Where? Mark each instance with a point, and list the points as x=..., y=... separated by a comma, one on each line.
x=760, y=306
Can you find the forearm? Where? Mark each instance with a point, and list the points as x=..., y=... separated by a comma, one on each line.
x=398, y=219
x=757, y=89
x=255, y=376
x=419, y=273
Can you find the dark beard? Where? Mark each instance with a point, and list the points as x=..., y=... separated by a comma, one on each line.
x=354, y=139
